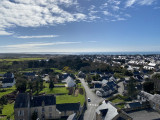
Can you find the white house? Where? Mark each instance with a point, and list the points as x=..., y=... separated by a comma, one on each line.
x=69, y=82
x=8, y=82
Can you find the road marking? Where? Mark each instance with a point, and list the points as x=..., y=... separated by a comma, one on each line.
x=93, y=105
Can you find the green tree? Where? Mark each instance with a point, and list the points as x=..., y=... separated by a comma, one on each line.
x=89, y=79
x=34, y=115
x=131, y=88
x=148, y=86
x=51, y=85
x=156, y=80
x=21, y=84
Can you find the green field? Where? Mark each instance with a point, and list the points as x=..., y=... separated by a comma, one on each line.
x=7, y=91
x=21, y=59
x=60, y=99
x=56, y=90
x=8, y=110
x=121, y=106
x=57, y=70
x=117, y=100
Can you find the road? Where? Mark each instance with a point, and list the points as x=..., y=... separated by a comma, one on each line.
x=91, y=106
x=121, y=88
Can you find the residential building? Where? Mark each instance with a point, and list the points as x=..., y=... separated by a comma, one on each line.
x=44, y=106
x=107, y=111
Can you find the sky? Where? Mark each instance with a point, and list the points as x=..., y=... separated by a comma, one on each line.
x=79, y=26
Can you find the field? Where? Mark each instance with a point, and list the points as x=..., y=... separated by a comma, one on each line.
x=60, y=99
x=21, y=59
x=56, y=90
x=7, y=91
x=57, y=70
x=117, y=100
x=8, y=110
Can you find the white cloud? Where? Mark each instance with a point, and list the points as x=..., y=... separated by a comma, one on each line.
x=2, y=32
x=31, y=45
x=41, y=36
x=35, y=13
x=130, y=3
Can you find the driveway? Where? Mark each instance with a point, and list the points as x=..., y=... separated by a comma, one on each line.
x=91, y=106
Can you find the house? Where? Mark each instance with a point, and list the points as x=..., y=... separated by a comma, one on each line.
x=69, y=82
x=154, y=100
x=8, y=82
x=44, y=106
x=81, y=75
x=30, y=74
x=8, y=75
x=107, y=87
x=107, y=111
x=72, y=117
x=46, y=78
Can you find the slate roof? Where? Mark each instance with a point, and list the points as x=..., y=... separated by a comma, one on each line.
x=135, y=104
x=68, y=107
x=8, y=75
x=109, y=109
x=30, y=73
x=48, y=100
x=156, y=99
x=21, y=100
x=8, y=80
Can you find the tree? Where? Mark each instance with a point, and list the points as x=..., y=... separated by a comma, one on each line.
x=3, y=100
x=131, y=88
x=21, y=84
x=51, y=85
x=89, y=79
x=156, y=80
x=148, y=86
x=34, y=115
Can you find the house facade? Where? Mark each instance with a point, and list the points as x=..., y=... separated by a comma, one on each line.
x=44, y=106
x=107, y=111
x=154, y=100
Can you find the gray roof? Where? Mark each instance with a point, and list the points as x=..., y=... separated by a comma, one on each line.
x=47, y=99
x=22, y=100
x=146, y=95
x=72, y=117
x=68, y=107
x=156, y=98
x=8, y=80
x=111, y=111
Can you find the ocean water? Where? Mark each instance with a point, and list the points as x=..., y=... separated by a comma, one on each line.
x=100, y=53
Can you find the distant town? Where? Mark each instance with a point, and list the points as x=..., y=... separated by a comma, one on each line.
x=79, y=87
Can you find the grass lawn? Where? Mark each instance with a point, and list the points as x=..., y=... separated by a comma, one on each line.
x=56, y=90
x=8, y=90
x=117, y=100
x=21, y=59
x=57, y=70
x=60, y=99
x=9, y=111
x=120, y=106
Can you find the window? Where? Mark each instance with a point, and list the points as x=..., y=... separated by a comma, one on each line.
x=21, y=113
x=50, y=109
x=50, y=115
x=43, y=109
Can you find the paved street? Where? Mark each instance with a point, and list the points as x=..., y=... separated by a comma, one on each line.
x=91, y=106
x=121, y=88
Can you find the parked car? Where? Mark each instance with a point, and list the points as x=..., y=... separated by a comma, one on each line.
x=89, y=100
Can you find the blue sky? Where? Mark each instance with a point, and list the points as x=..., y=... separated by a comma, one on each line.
x=79, y=25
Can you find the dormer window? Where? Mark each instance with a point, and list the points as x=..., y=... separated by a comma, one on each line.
x=21, y=113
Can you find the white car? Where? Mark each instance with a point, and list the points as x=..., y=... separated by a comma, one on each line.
x=89, y=100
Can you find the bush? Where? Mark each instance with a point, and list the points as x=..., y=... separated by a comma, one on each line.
x=81, y=91
x=71, y=90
